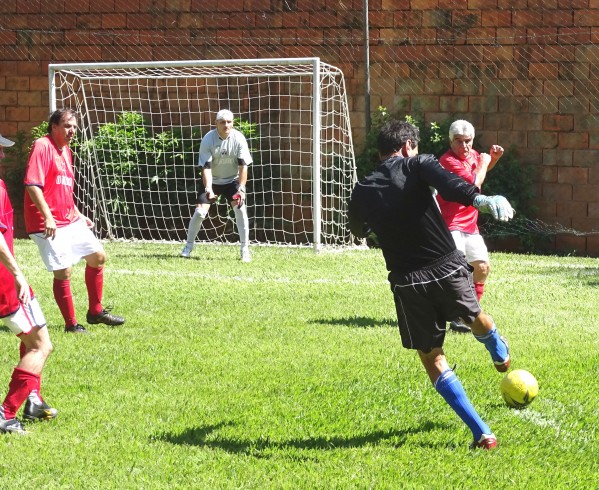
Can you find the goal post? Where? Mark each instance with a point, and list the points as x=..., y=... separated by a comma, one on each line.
x=141, y=124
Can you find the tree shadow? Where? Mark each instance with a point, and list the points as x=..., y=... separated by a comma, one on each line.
x=358, y=322
x=207, y=436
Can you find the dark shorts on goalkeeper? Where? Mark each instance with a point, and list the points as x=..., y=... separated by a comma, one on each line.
x=428, y=298
x=227, y=190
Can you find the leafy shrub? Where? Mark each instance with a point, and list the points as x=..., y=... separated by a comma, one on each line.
x=16, y=162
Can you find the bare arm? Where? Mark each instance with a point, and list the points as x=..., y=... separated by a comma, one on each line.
x=496, y=153
x=243, y=175
x=486, y=163
x=481, y=171
x=207, y=180
x=7, y=259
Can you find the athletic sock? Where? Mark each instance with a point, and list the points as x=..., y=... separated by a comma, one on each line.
x=243, y=227
x=21, y=384
x=494, y=344
x=452, y=391
x=64, y=300
x=195, y=224
x=479, y=287
x=94, y=281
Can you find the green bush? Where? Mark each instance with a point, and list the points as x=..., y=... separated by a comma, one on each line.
x=16, y=162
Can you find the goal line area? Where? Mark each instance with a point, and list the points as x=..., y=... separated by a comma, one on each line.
x=140, y=130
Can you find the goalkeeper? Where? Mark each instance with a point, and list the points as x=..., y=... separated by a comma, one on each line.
x=430, y=279
x=224, y=159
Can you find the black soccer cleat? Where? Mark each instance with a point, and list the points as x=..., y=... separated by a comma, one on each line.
x=37, y=409
x=106, y=318
x=75, y=329
x=10, y=426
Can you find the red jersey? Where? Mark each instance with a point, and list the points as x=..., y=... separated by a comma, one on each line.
x=9, y=303
x=50, y=169
x=456, y=215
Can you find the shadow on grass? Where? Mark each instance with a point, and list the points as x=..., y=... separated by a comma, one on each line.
x=589, y=275
x=358, y=322
x=206, y=436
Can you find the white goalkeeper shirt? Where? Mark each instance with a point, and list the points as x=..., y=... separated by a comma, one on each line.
x=224, y=155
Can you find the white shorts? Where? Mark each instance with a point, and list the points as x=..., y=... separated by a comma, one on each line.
x=70, y=244
x=25, y=318
x=472, y=245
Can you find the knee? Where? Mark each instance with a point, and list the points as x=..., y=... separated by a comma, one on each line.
x=97, y=259
x=201, y=212
x=481, y=271
x=46, y=348
x=63, y=274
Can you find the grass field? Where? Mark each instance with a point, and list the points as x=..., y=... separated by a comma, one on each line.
x=288, y=373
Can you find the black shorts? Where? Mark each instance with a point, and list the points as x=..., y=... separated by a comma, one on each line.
x=227, y=190
x=428, y=298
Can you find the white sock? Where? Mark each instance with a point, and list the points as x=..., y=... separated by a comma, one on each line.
x=243, y=226
x=194, y=225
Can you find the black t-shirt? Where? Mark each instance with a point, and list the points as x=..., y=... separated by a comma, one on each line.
x=396, y=202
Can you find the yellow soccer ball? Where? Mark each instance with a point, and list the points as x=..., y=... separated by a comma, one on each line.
x=519, y=388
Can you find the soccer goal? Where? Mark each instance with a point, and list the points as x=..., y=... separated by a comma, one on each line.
x=140, y=130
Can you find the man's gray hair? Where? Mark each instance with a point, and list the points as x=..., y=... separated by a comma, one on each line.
x=461, y=128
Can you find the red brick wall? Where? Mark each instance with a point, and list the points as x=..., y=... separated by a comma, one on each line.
x=522, y=75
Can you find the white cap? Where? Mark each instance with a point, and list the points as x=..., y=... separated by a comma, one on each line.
x=5, y=141
x=224, y=114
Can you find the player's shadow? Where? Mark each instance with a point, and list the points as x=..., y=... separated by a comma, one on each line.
x=589, y=275
x=207, y=436
x=358, y=322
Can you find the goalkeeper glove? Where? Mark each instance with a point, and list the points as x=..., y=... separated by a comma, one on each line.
x=498, y=206
x=239, y=196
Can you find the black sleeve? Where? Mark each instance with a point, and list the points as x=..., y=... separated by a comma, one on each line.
x=356, y=214
x=452, y=187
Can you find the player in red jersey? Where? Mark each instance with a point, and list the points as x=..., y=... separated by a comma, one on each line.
x=21, y=313
x=463, y=160
x=62, y=233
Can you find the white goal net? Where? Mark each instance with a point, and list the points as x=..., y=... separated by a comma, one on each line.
x=140, y=131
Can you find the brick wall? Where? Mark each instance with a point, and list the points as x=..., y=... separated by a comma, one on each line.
x=524, y=76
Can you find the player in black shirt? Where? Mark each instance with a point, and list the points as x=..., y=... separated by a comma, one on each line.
x=430, y=279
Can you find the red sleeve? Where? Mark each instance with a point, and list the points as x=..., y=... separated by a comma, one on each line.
x=37, y=165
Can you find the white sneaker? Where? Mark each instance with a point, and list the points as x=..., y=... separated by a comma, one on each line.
x=245, y=255
x=186, y=252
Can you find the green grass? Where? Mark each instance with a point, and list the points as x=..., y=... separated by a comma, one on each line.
x=288, y=372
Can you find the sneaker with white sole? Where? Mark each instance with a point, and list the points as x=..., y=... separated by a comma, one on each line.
x=186, y=252
x=487, y=441
x=245, y=255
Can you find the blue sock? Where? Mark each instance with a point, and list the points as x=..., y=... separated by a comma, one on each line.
x=495, y=345
x=450, y=388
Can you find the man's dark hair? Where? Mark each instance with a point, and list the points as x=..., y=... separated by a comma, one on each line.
x=57, y=115
x=394, y=134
